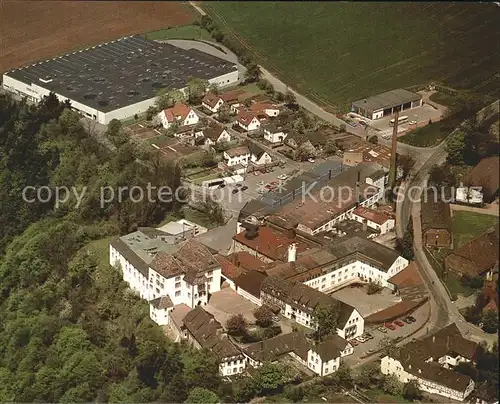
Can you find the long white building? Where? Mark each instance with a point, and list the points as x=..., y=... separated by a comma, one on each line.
x=118, y=79
x=431, y=362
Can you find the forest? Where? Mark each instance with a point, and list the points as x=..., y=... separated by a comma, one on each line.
x=70, y=328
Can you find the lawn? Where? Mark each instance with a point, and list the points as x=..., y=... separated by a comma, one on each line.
x=442, y=98
x=432, y=134
x=456, y=288
x=183, y=32
x=338, y=52
x=468, y=225
x=101, y=249
x=191, y=215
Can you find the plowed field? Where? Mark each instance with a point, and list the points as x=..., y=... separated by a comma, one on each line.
x=35, y=30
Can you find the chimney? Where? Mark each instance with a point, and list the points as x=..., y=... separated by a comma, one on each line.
x=433, y=339
x=291, y=233
x=365, y=224
x=292, y=252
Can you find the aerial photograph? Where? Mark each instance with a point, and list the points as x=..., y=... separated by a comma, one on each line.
x=249, y=202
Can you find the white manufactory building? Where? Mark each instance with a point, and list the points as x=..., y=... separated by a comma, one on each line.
x=118, y=79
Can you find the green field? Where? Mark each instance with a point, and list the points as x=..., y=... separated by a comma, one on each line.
x=468, y=225
x=341, y=52
x=431, y=135
x=182, y=32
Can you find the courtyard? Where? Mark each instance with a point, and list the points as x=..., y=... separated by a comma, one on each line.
x=225, y=303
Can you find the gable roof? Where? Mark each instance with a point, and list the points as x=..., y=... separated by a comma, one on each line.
x=211, y=99
x=251, y=282
x=213, y=132
x=127, y=253
x=179, y=109
x=271, y=349
x=447, y=341
x=486, y=174
x=435, y=215
x=208, y=333
x=255, y=149
x=262, y=106
x=237, y=151
x=330, y=348
x=407, y=277
x=476, y=256
x=245, y=117
x=246, y=261
x=371, y=215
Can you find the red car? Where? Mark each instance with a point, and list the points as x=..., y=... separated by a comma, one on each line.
x=389, y=326
x=399, y=323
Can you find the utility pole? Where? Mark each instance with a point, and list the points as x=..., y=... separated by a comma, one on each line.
x=392, y=172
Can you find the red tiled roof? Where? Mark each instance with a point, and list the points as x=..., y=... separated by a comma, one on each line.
x=246, y=261
x=271, y=243
x=245, y=117
x=407, y=277
x=229, y=270
x=486, y=174
x=372, y=215
x=490, y=306
x=391, y=313
x=210, y=99
x=262, y=106
x=179, y=109
x=234, y=95
x=475, y=257
x=238, y=151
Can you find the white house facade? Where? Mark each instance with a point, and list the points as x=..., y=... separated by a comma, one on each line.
x=239, y=155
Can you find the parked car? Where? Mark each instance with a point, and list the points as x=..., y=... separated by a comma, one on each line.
x=412, y=122
x=223, y=185
x=256, y=173
x=361, y=339
x=244, y=188
x=276, y=318
x=311, y=160
x=382, y=329
x=411, y=318
x=363, y=123
x=390, y=326
x=261, y=182
x=235, y=190
x=369, y=351
x=367, y=335
x=238, y=185
x=407, y=320
x=353, y=342
x=282, y=177
x=274, y=182
x=399, y=323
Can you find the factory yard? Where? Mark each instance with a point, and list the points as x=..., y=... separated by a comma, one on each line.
x=70, y=25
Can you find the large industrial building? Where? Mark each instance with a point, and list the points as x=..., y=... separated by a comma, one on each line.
x=387, y=103
x=118, y=79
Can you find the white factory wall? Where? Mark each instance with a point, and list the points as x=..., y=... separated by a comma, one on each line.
x=36, y=92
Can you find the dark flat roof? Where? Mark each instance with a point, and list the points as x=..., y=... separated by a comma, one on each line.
x=118, y=73
x=388, y=99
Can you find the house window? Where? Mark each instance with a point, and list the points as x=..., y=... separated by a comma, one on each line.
x=177, y=285
x=177, y=278
x=178, y=293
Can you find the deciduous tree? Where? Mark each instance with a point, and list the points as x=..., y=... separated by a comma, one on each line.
x=263, y=316
x=236, y=325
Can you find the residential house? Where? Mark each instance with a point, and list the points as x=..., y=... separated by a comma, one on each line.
x=298, y=302
x=179, y=114
x=247, y=120
x=274, y=133
x=215, y=134
x=366, y=152
x=266, y=108
x=294, y=344
x=204, y=331
x=324, y=358
x=237, y=156
x=258, y=155
x=436, y=223
x=478, y=257
x=431, y=361
x=212, y=102
x=190, y=132
x=486, y=175
x=376, y=220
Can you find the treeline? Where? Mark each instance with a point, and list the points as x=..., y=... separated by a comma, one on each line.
x=70, y=328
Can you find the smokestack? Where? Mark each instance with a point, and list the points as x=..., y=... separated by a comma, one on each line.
x=365, y=224
x=433, y=339
x=392, y=173
x=292, y=252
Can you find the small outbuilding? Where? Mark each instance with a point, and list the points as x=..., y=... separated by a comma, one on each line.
x=387, y=103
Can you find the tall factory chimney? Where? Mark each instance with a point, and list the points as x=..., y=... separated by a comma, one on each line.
x=394, y=147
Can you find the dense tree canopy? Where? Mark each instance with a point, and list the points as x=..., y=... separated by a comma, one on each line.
x=70, y=328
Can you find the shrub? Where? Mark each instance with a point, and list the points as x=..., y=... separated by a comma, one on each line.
x=373, y=288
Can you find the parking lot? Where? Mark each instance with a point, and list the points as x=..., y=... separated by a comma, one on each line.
x=366, y=304
x=373, y=345
x=227, y=302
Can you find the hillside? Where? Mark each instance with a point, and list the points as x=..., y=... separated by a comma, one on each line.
x=341, y=52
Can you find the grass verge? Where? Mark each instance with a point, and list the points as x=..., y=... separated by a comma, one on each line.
x=468, y=225
x=194, y=32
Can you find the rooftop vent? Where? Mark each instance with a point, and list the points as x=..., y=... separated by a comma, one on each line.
x=90, y=96
x=46, y=79
x=103, y=103
x=132, y=92
x=99, y=79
